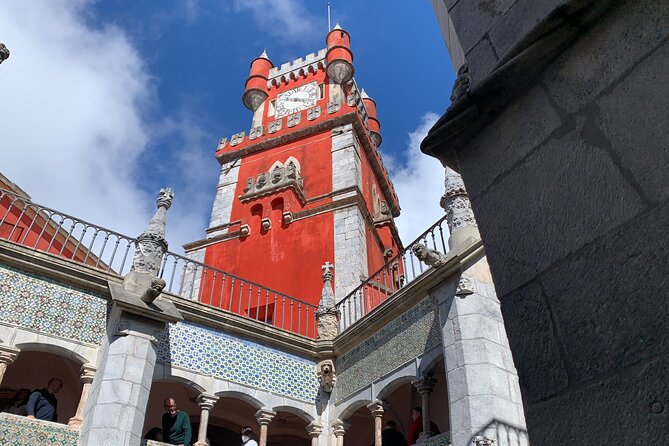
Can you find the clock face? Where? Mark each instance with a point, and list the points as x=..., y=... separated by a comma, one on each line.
x=297, y=99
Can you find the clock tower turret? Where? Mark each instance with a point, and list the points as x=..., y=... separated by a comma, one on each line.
x=306, y=185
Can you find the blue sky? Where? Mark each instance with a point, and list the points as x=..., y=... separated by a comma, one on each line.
x=105, y=102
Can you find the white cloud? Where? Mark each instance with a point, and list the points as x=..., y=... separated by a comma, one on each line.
x=72, y=105
x=286, y=19
x=419, y=184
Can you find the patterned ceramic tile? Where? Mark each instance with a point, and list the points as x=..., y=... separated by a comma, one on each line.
x=20, y=431
x=440, y=440
x=51, y=307
x=400, y=341
x=210, y=352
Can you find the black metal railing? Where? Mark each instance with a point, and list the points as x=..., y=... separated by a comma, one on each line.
x=401, y=270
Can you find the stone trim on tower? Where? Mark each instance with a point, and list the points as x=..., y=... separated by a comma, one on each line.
x=225, y=196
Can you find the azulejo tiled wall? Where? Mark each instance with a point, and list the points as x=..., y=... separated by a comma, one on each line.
x=403, y=339
x=210, y=352
x=47, y=306
x=20, y=431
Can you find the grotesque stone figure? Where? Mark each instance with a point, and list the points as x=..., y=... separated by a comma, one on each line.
x=4, y=53
x=461, y=85
x=157, y=286
x=428, y=256
x=326, y=375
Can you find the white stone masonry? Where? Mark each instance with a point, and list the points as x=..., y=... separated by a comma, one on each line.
x=225, y=196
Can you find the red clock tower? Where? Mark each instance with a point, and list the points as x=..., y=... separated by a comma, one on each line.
x=306, y=185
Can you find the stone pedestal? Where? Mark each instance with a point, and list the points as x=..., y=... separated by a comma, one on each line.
x=115, y=410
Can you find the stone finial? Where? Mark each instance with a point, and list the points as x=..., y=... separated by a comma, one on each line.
x=327, y=375
x=4, y=53
x=460, y=216
x=151, y=244
x=327, y=315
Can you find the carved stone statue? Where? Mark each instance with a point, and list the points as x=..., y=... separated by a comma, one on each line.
x=4, y=53
x=327, y=375
x=151, y=244
x=157, y=286
x=428, y=256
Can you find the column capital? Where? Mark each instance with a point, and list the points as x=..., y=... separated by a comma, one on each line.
x=265, y=416
x=314, y=429
x=377, y=408
x=8, y=354
x=339, y=427
x=206, y=401
x=425, y=384
x=87, y=373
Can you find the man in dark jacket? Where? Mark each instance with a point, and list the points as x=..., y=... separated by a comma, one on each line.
x=176, y=425
x=391, y=436
x=42, y=403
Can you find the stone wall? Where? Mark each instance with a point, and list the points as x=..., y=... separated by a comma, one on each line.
x=570, y=189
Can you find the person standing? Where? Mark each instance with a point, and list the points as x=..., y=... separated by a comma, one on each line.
x=416, y=426
x=176, y=424
x=249, y=437
x=42, y=404
x=391, y=436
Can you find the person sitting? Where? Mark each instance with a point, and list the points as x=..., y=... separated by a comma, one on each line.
x=42, y=404
x=391, y=436
x=249, y=437
x=176, y=424
x=18, y=406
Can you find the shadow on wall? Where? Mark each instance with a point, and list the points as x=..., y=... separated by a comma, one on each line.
x=498, y=432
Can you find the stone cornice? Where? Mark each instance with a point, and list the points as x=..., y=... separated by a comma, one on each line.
x=516, y=72
x=319, y=127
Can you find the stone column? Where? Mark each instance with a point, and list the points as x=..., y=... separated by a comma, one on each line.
x=87, y=375
x=206, y=402
x=115, y=409
x=460, y=216
x=314, y=428
x=377, y=412
x=7, y=357
x=425, y=385
x=339, y=429
x=264, y=417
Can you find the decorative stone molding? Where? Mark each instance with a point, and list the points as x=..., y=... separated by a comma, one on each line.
x=314, y=429
x=333, y=107
x=327, y=375
x=287, y=217
x=221, y=143
x=429, y=256
x=266, y=224
x=206, y=401
x=237, y=138
x=4, y=53
x=8, y=354
x=274, y=126
x=244, y=230
x=462, y=83
x=278, y=178
x=314, y=113
x=483, y=441
x=424, y=385
x=265, y=416
x=295, y=119
x=298, y=67
x=256, y=132
x=460, y=216
x=151, y=244
x=327, y=315
x=465, y=288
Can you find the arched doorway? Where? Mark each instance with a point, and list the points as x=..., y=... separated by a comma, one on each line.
x=288, y=428
x=33, y=369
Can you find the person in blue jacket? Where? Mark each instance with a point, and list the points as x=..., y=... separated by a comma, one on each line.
x=42, y=403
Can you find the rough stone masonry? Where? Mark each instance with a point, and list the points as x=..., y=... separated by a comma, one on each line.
x=561, y=140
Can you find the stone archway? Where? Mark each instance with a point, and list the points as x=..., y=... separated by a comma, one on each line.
x=33, y=369
x=184, y=394
x=288, y=428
